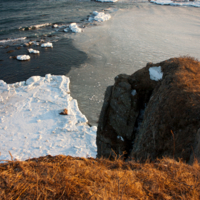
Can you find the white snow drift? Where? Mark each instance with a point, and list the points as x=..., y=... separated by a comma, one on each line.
x=155, y=73
x=99, y=16
x=175, y=3
x=23, y=57
x=30, y=123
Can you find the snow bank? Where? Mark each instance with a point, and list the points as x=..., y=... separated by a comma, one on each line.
x=172, y=3
x=47, y=44
x=33, y=51
x=30, y=123
x=23, y=57
x=155, y=73
x=74, y=28
x=99, y=16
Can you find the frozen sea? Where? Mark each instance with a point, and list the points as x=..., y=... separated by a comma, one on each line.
x=136, y=32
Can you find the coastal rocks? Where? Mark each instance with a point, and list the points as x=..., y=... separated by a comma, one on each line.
x=153, y=113
x=122, y=109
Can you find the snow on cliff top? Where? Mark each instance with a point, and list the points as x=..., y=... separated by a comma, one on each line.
x=30, y=123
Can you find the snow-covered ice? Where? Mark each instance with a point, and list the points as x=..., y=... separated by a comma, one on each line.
x=74, y=28
x=30, y=123
x=99, y=16
x=176, y=3
x=33, y=51
x=47, y=44
x=155, y=73
x=23, y=57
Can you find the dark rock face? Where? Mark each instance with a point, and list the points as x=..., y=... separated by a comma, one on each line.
x=150, y=119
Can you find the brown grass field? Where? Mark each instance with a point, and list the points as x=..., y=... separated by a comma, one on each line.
x=66, y=178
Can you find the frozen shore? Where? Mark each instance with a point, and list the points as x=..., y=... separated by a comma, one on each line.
x=176, y=3
x=30, y=123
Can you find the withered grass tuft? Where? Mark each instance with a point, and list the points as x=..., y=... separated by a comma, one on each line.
x=66, y=177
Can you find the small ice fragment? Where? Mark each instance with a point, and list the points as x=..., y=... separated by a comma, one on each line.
x=155, y=73
x=5, y=128
x=33, y=51
x=66, y=30
x=133, y=92
x=38, y=120
x=74, y=28
x=47, y=44
x=23, y=57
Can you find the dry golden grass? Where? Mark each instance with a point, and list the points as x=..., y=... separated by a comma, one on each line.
x=65, y=177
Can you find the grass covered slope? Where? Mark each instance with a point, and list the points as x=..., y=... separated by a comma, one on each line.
x=66, y=177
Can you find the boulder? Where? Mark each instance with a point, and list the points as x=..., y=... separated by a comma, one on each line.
x=152, y=113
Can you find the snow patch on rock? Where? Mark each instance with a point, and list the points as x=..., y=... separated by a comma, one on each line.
x=155, y=73
x=133, y=92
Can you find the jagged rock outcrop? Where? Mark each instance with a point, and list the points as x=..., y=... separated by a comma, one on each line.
x=149, y=117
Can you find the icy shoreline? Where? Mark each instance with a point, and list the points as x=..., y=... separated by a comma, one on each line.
x=30, y=123
x=175, y=3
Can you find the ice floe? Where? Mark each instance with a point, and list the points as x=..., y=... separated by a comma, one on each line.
x=176, y=3
x=155, y=73
x=99, y=16
x=47, y=44
x=30, y=123
x=33, y=51
x=74, y=28
x=23, y=57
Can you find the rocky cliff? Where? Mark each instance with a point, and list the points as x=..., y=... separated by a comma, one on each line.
x=152, y=113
